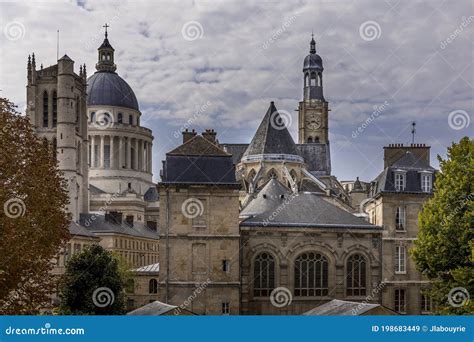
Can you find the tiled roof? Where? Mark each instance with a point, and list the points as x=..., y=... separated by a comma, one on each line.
x=151, y=195
x=198, y=146
x=76, y=229
x=276, y=206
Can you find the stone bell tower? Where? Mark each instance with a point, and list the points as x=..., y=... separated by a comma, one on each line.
x=313, y=110
x=56, y=106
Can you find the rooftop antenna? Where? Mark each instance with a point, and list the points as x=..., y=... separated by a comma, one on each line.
x=413, y=131
x=57, y=46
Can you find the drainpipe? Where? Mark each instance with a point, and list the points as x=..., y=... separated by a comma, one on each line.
x=167, y=244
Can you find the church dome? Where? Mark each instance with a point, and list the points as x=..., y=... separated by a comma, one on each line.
x=109, y=89
x=313, y=61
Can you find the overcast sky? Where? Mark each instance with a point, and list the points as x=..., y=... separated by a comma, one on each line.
x=212, y=64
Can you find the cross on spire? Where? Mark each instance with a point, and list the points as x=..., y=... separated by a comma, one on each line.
x=106, y=29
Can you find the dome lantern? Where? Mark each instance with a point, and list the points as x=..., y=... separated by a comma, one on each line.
x=106, y=55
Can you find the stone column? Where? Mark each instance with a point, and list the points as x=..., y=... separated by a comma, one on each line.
x=101, y=160
x=129, y=153
x=150, y=159
x=112, y=152
x=92, y=142
x=136, y=155
x=120, y=153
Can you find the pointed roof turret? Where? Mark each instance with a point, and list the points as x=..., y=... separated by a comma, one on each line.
x=106, y=55
x=272, y=136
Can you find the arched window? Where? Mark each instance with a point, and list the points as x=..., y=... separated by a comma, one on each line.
x=55, y=108
x=316, y=139
x=311, y=275
x=310, y=140
x=264, y=275
x=45, y=109
x=320, y=79
x=153, y=286
x=120, y=118
x=313, y=79
x=251, y=176
x=356, y=276
x=130, y=119
x=306, y=79
x=93, y=117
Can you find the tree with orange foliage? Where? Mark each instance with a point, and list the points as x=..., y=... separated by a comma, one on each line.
x=33, y=218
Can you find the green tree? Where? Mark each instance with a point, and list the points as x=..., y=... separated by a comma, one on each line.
x=443, y=250
x=92, y=284
x=33, y=219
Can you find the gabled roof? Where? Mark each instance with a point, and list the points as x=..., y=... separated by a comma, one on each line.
x=276, y=206
x=272, y=136
x=98, y=225
x=158, y=308
x=198, y=146
x=153, y=268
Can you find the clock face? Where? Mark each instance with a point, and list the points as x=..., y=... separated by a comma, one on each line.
x=313, y=121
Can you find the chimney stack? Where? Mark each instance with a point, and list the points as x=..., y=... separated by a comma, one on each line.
x=187, y=135
x=210, y=135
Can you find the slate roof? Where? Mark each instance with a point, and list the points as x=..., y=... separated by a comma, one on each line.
x=236, y=150
x=151, y=195
x=95, y=190
x=109, y=89
x=96, y=223
x=271, y=136
x=199, y=161
x=76, y=229
x=156, y=308
x=276, y=206
x=338, y=307
x=411, y=165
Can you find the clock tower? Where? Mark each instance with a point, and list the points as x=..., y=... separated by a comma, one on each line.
x=313, y=110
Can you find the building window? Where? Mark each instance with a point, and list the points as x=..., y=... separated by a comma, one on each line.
x=107, y=156
x=226, y=308
x=55, y=109
x=120, y=118
x=399, y=181
x=426, y=182
x=400, y=219
x=153, y=286
x=400, y=259
x=311, y=275
x=45, y=109
x=130, y=119
x=67, y=253
x=264, y=275
x=225, y=266
x=93, y=117
x=426, y=304
x=400, y=305
x=356, y=275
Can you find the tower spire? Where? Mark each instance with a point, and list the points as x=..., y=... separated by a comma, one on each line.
x=312, y=44
x=106, y=54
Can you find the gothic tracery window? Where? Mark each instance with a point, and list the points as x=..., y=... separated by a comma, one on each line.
x=55, y=108
x=264, y=275
x=311, y=275
x=356, y=276
x=45, y=109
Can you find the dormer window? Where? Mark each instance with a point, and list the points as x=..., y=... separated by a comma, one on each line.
x=400, y=181
x=426, y=182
